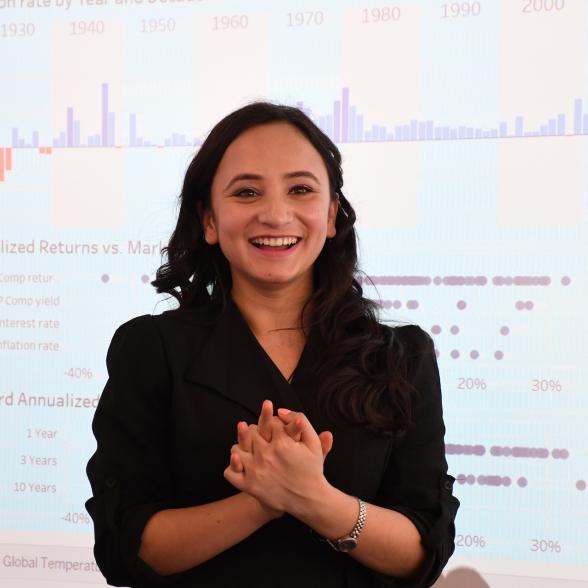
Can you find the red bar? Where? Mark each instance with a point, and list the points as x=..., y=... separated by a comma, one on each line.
x=8, y=158
x=1, y=164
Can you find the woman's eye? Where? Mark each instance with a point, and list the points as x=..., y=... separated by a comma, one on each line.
x=301, y=189
x=246, y=192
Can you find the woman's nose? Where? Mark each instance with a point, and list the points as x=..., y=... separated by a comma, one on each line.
x=275, y=210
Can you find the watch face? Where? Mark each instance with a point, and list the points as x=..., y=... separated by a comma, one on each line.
x=347, y=544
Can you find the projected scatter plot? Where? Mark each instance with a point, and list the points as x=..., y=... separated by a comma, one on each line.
x=88, y=89
x=542, y=182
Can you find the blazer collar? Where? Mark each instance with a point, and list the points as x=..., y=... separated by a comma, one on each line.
x=231, y=361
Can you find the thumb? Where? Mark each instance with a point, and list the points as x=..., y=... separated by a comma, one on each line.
x=326, y=438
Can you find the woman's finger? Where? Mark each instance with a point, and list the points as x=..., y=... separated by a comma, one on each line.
x=244, y=436
x=326, y=438
x=236, y=464
x=264, y=424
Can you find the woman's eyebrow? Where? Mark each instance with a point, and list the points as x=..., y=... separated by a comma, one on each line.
x=294, y=174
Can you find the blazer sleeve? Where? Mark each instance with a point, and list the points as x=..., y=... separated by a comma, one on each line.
x=129, y=473
x=415, y=482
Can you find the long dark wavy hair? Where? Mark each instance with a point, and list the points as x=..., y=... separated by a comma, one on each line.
x=362, y=374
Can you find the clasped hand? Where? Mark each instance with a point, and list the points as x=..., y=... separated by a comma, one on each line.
x=279, y=461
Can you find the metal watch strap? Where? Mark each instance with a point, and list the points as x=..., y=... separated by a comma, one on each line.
x=349, y=542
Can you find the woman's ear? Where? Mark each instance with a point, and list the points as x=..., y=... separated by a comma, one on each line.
x=208, y=225
x=333, y=210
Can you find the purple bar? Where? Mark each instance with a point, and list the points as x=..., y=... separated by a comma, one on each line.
x=133, y=129
x=105, y=114
x=111, y=129
x=478, y=133
x=494, y=132
x=429, y=129
x=21, y=143
x=398, y=133
x=585, y=125
x=70, y=126
x=552, y=124
x=406, y=132
x=54, y=143
x=352, y=124
x=438, y=133
x=578, y=116
x=359, y=132
x=453, y=133
x=446, y=133
x=35, y=138
x=470, y=133
x=383, y=133
x=519, y=126
x=503, y=129
x=374, y=132
x=462, y=132
x=337, y=120
x=14, y=141
x=561, y=124
x=413, y=129
x=62, y=139
x=345, y=114
x=544, y=130
x=368, y=136
x=422, y=130
x=77, y=133
x=91, y=141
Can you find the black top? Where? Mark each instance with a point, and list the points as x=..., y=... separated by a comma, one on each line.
x=167, y=419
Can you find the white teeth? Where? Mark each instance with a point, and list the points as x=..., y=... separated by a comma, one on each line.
x=275, y=241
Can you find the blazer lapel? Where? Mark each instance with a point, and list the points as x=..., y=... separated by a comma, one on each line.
x=230, y=361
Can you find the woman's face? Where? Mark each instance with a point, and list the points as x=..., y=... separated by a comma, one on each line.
x=270, y=207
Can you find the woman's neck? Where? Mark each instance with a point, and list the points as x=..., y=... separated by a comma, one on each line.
x=268, y=310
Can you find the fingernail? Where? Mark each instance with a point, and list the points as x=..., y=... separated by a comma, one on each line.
x=283, y=410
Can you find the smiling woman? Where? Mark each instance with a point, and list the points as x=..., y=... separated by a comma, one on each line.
x=196, y=479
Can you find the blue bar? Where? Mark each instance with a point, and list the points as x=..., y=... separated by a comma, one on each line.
x=478, y=133
x=494, y=132
x=111, y=129
x=14, y=141
x=578, y=116
x=561, y=124
x=132, y=129
x=422, y=130
x=470, y=133
x=352, y=124
x=104, y=114
x=337, y=121
x=503, y=129
x=453, y=133
x=35, y=138
x=519, y=126
x=462, y=132
x=552, y=124
x=544, y=130
x=345, y=114
x=398, y=133
x=430, y=129
x=70, y=126
x=383, y=133
x=438, y=133
x=413, y=129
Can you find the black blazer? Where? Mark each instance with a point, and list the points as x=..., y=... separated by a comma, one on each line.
x=164, y=427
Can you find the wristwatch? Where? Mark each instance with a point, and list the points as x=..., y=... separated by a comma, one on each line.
x=349, y=542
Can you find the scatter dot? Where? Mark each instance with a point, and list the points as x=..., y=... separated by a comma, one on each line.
x=566, y=281
x=508, y=281
x=581, y=485
x=470, y=479
x=437, y=280
x=498, y=354
x=474, y=354
x=454, y=330
x=506, y=481
x=435, y=329
x=504, y=330
x=529, y=305
x=397, y=304
x=454, y=353
x=144, y=278
x=522, y=482
x=520, y=305
x=461, y=304
x=105, y=278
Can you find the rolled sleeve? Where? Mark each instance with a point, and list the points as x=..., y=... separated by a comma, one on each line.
x=416, y=482
x=128, y=473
